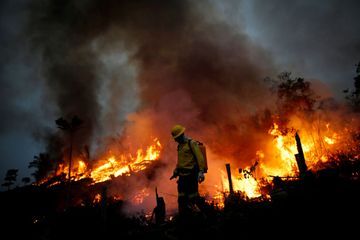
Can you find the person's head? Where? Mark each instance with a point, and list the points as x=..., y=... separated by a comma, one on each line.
x=177, y=133
x=180, y=139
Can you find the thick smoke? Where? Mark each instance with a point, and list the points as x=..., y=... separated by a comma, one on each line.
x=18, y=93
x=189, y=70
x=317, y=39
x=57, y=32
x=132, y=69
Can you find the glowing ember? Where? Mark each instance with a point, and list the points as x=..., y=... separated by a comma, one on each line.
x=140, y=196
x=97, y=198
x=218, y=200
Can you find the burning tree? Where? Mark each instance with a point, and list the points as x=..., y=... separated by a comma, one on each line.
x=354, y=96
x=294, y=94
x=70, y=127
x=299, y=112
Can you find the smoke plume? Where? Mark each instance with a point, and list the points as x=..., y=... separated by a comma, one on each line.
x=132, y=69
x=189, y=69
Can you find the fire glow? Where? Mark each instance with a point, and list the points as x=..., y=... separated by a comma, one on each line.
x=244, y=184
x=113, y=166
x=125, y=164
x=279, y=158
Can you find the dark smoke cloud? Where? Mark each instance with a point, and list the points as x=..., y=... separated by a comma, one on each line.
x=174, y=48
x=19, y=94
x=168, y=62
x=16, y=78
x=190, y=66
x=58, y=32
x=64, y=33
x=316, y=39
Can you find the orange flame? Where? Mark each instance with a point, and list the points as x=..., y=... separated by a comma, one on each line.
x=139, y=197
x=279, y=157
x=125, y=164
x=97, y=198
x=245, y=184
x=276, y=158
x=112, y=166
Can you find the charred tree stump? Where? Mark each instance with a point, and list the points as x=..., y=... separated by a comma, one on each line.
x=159, y=210
x=231, y=189
x=300, y=158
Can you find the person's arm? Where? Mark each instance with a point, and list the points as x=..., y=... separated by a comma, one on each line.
x=198, y=155
x=200, y=160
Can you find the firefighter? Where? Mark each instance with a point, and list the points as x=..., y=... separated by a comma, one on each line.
x=190, y=169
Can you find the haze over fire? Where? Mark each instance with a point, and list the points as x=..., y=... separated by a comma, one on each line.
x=102, y=58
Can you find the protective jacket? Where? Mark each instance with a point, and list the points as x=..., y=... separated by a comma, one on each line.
x=189, y=158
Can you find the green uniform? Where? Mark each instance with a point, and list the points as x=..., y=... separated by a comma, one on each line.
x=188, y=159
x=190, y=162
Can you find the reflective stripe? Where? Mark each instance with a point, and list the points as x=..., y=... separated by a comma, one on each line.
x=192, y=195
x=181, y=194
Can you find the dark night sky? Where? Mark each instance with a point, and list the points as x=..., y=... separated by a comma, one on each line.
x=315, y=39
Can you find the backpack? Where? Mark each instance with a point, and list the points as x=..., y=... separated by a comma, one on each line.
x=203, y=151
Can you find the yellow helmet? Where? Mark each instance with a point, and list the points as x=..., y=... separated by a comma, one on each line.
x=177, y=130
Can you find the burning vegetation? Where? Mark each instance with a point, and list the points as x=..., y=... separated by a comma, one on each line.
x=303, y=137
x=110, y=165
x=121, y=73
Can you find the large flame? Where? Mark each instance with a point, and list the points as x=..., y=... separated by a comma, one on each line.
x=275, y=158
x=278, y=157
x=112, y=165
x=246, y=184
x=115, y=166
x=316, y=146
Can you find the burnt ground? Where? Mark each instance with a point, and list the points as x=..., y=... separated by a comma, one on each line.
x=322, y=204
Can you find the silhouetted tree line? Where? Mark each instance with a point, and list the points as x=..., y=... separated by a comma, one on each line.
x=43, y=165
x=10, y=178
x=70, y=127
x=294, y=94
x=354, y=96
x=46, y=163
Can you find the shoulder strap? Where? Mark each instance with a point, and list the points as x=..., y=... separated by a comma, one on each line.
x=191, y=149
